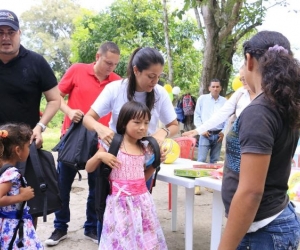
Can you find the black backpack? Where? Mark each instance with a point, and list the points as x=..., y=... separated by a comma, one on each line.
x=40, y=173
x=77, y=146
x=20, y=226
x=103, y=187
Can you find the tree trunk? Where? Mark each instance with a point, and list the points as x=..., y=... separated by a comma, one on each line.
x=209, y=70
x=167, y=40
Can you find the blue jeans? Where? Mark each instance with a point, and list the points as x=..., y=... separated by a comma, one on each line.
x=66, y=176
x=206, y=144
x=281, y=234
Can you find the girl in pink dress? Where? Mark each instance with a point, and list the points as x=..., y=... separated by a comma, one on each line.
x=130, y=218
x=14, y=147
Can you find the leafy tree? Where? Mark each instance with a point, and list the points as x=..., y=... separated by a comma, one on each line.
x=47, y=28
x=139, y=23
x=224, y=23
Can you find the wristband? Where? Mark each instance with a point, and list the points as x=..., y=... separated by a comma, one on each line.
x=42, y=126
x=167, y=130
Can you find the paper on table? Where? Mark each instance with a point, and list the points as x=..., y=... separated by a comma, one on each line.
x=193, y=172
x=208, y=165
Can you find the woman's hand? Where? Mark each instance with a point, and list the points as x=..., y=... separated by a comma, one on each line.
x=106, y=135
x=163, y=154
x=190, y=133
x=160, y=138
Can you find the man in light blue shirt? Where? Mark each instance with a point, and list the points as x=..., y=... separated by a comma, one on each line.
x=206, y=106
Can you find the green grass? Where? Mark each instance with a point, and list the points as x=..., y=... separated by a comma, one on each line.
x=51, y=137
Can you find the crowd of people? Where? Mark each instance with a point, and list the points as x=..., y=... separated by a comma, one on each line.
x=261, y=139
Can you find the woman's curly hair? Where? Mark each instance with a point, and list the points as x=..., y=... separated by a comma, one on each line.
x=280, y=73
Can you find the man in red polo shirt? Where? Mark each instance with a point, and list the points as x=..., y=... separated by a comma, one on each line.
x=82, y=83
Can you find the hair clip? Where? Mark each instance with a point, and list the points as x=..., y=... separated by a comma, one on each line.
x=3, y=133
x=278, y=48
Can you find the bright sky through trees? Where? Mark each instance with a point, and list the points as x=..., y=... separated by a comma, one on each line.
x=278, y=18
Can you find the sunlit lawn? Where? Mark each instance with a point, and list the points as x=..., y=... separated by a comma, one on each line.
x=51, y=138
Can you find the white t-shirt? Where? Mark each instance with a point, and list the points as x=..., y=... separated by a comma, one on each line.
x=239, y=100
x=114, y=96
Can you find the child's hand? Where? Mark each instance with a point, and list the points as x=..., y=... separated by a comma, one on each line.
x=110, y=160
x=26, y=193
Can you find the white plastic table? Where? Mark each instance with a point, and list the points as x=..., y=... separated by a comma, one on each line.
x=166, y=174
x=217, y=208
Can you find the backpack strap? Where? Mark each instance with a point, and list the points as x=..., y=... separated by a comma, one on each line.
x=4, y=168
x=113, y=149
x=156, y=150
x=20, y=225
x=102, y=181
x=156, y=163
x=36, y=164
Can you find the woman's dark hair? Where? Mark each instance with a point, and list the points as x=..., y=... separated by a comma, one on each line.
x=131, y=110
x=142, y=58
x=11, y=135
x=280, y=73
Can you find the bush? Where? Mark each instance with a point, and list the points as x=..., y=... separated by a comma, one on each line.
x=51, y=137
x=57, y=120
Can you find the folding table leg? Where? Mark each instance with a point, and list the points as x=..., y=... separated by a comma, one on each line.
x=170, y=197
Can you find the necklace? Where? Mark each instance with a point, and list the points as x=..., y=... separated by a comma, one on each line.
x=124, y=147
x=123, y=143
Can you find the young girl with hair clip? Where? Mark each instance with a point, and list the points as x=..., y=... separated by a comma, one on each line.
x=14, y=147
x=130, y=218
x=260, y=148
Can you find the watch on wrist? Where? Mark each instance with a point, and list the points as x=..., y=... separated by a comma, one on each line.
x=167, y=130
x=42, y=126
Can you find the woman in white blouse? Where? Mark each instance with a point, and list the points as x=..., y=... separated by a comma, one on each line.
x=235, y=105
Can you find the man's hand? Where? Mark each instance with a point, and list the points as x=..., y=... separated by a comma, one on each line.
x=37, y=136
x=75, y=115
x=221, y=136
x=206, y=134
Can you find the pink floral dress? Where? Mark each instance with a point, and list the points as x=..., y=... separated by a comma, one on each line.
x=7, y=225
x=130, y=218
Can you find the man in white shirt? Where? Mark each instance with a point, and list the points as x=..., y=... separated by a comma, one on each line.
x=233, y=106
x=210, y=140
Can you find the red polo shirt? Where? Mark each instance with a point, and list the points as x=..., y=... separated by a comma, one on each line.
x=83, y=87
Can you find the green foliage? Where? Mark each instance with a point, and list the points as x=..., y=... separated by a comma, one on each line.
x=57, y=120
x=139, y=23
x=47, y=28
x=50, y=138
